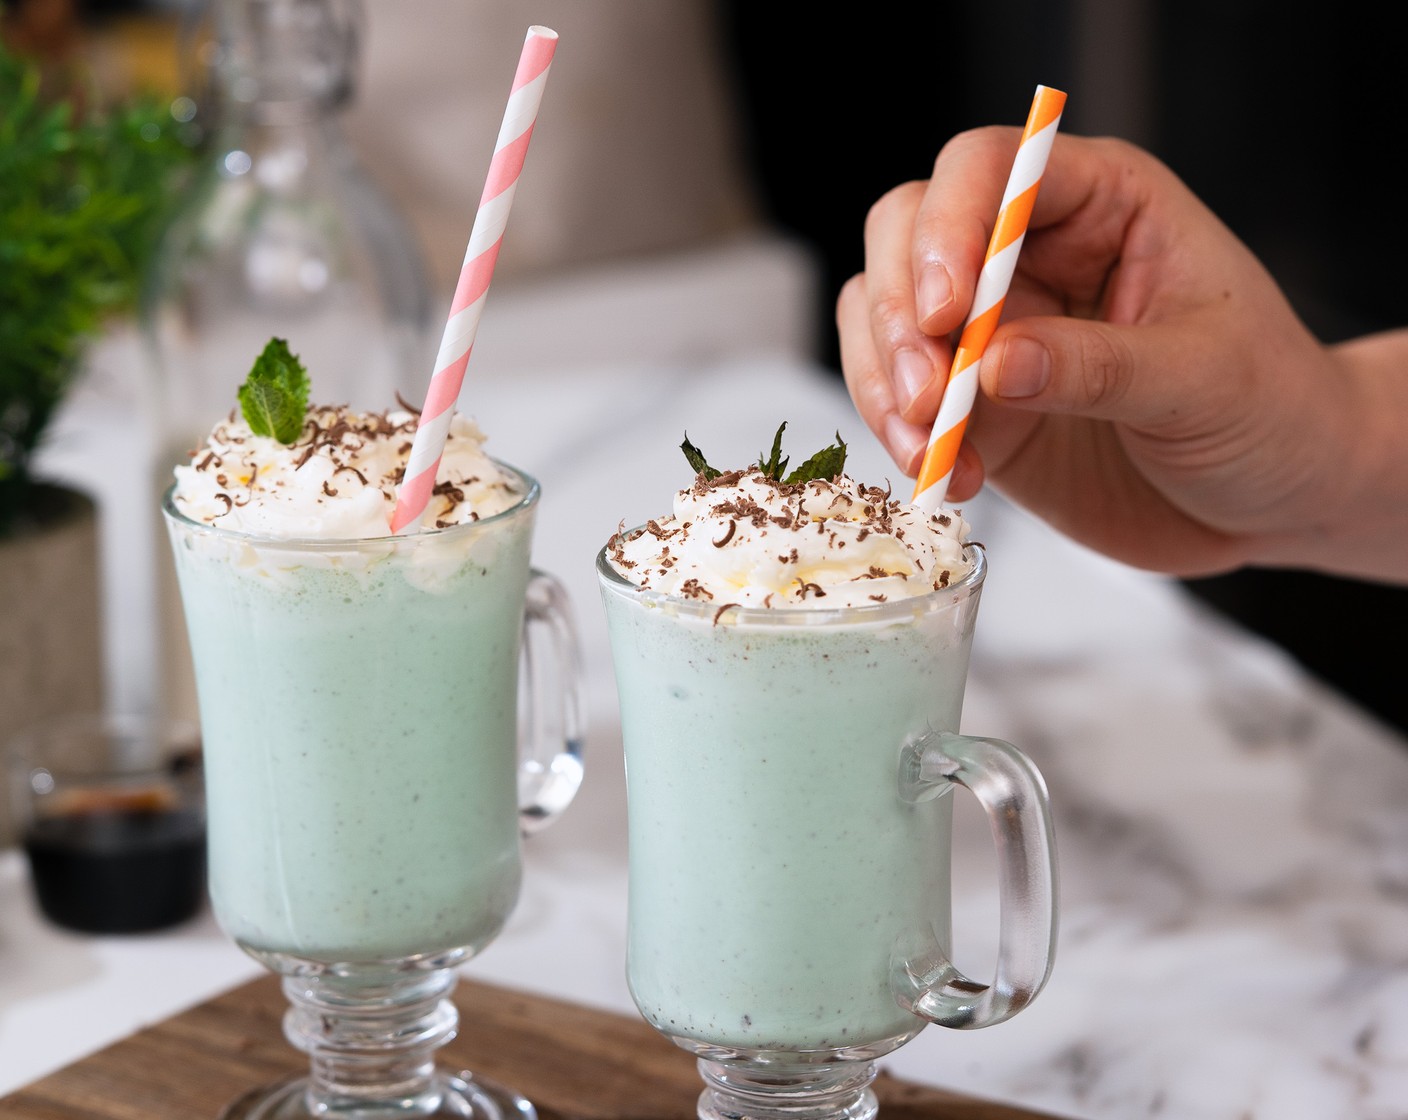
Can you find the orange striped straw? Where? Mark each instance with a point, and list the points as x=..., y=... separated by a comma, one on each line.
x=485, y=238
x=989, y=296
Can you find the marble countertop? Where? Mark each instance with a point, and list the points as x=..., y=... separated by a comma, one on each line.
x=1231, y=835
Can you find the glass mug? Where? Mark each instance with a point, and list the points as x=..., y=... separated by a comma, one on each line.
x=366, y=785
x=787, y=778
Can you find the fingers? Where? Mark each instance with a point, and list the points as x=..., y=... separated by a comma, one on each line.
x=967, y=477
x=924, y=248
x=1091, y=192
x=925, y=244
x=915, y=363
x=1147, y=377
x=869, y=381
x=953, y=223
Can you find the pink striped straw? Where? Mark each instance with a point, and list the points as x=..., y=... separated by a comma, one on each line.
x=989, y=295
x=485, y=239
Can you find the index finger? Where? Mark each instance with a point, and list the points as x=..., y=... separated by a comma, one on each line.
x=954, y=223
x=964, y=196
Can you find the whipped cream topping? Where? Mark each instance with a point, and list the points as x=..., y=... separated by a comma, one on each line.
x=338, y=480
x=744, y=539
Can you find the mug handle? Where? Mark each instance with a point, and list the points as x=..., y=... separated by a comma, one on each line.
x=1013, y=794
x=550, y=705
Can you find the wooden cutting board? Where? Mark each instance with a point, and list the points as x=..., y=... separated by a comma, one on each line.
x=573, y=1062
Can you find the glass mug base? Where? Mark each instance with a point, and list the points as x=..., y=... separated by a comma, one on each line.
x=745, y=1092
x=461, y=1096
x=741, y=1083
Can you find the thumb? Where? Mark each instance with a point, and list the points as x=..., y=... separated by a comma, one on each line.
x=1138, y=375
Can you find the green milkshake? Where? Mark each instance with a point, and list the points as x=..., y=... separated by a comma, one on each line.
x=366, y=785
x=772, y=866
x=790, y=656
x=357, y=690
x=360, y=759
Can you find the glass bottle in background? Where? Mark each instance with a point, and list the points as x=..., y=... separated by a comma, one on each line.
x=281, y=235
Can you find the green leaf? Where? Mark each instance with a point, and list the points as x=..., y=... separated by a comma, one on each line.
x=773, y=465
x=84, y=193
x=274, y=397
x=826, y=463
x=696, y=459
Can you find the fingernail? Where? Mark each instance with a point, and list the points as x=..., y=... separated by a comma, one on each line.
x=1025, y=369
x=935, y=291
x=904, y=440
x=912, y=374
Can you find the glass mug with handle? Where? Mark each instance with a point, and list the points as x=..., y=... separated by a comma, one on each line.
x=788, y=778
x=367, y=788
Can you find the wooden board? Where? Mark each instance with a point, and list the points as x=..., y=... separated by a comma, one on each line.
x=573, y=1062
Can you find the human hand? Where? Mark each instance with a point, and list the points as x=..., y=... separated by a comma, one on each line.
x=1150, y=391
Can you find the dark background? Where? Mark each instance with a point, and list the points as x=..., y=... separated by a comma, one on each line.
x=1290, y=128
x=1288, y=121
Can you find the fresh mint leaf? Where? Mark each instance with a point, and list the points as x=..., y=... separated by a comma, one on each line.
x=274, y=397
x=696, y=459
x=826, y=463
x=773, y=464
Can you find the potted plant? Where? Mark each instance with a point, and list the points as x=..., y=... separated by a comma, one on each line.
x=81, y=197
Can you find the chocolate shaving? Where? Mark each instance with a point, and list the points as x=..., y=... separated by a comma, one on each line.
x=718, y=614
x=348, y=467
x=728, y=534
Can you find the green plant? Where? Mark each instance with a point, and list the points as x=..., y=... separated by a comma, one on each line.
x=81, y=200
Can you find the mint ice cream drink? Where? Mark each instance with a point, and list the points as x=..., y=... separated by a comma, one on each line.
x=772, y=867
x=356, y=689
x=366, y=783
x=791, y=654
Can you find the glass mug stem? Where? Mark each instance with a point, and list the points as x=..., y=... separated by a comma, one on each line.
x=758, y=1091
x=371, y=1043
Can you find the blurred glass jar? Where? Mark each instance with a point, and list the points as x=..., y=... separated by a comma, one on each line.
x=281, y=235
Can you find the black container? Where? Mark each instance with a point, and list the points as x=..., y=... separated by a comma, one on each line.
x=112, y=819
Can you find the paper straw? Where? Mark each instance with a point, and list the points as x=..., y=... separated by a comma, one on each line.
x=467, y=307
x=988, y=297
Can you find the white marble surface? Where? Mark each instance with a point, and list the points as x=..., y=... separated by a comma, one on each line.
x=1233, y=840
